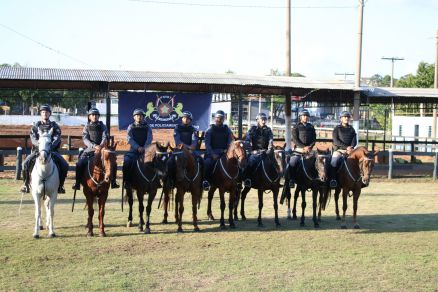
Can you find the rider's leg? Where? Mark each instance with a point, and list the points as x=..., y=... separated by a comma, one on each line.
x=27, y=169
x=127, y=168
x=247, y=172
x=293, y=164
x=113, y=178
x=80, y=165
x=62, y=170
x=333, y=168
x=208, y=165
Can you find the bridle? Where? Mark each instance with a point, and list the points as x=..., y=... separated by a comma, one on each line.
x=100, y=169
x=304, y=168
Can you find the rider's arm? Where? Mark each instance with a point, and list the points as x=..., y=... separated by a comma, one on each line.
x=229, y=137
x=86, y=137
x=105, y=135
x=295, y=138
x=248, y=135
x=131, y=140
x=207, y=142
x=354, y=141
x=336, y=141
x=34, y=135
x=194, y=140
x=56, y=136
x=313, y=138
x=176, y=137
x=271, y=139
x=149, y=139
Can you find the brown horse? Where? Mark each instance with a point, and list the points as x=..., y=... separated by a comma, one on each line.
x=188, y=178
x=146, y=174
x=311, y=174
x=224, y=177
x=266, y=176
x=353, y=174
x=96, y=181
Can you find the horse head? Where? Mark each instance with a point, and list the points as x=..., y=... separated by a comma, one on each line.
x=237, y=150
x=106, y=159
x=44, y=145
x=366, y=165
x=280, y=159
x=160, y=156
x=322, y=161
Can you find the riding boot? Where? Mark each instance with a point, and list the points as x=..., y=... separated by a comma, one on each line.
x=77, y=184
x=246, y=176
x=62, y=176
x=25, y=187
x=332, y=177
x=114, y=184
x=207, y=178
x=126, y=178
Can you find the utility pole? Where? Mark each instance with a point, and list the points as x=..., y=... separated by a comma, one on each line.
x=356, y=100
x=392, y=59
x=345, y=74
x=287, y=103
x=435, y=85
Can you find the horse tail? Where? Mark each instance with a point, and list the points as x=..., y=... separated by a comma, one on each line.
x=325, y=198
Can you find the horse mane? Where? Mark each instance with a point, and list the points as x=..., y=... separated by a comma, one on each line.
x=359, y=152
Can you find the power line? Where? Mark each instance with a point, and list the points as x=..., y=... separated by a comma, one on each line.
x=238, y=6
x=45, y=46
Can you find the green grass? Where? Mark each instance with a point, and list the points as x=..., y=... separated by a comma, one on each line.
x=396, y=249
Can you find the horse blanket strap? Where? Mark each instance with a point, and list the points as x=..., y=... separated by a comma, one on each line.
x=225, y=171
x=98, y=184
x=144, y=176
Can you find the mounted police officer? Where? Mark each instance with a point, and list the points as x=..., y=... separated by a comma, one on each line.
x=260, y=138
x=45, y=125
x=304, y=138
x=218, y=138
x=139, y=137
x=95, y=136
x=344, y=141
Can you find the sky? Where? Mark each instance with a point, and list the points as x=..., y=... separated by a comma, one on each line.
x=215, y=36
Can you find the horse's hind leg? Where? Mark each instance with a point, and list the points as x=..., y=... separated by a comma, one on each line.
x=151, y=198
x=356, y=195
x=210, y=198
x=344, y=208
x=140, y=197
x=337, y=192
x=242, y=203
x=294, y=210
x=166, y=206
x=314, y=206
x=231, y=207
x=195, y=199
x=222, y=199
x=236, y=202
x=130, y=197
x=101, y=202
x=303, y=206
x=259, y=219
x=90, y=202
x=180, y=197
x=36, y=233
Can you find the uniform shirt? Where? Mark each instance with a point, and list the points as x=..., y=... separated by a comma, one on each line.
x=46, y=126
x=255, y=137
x=344, y=137
x=131, y=139
x=209, y=139
x=304, y=135
x=88, y=139
x=177, y=135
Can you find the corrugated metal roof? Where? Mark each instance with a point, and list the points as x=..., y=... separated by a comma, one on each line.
x=117, y=76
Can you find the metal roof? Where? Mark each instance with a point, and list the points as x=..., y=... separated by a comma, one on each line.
x=400, y=95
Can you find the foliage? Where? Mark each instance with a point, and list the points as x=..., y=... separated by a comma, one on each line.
x=379, y=81
x=423, y=78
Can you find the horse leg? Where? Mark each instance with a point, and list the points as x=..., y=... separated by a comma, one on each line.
x=90, y=201
x=36, y=233
x=344, y=208
x=176, y=203
x=47, y=206
x=275, y=196
x=151, y=198
x=210, y=198
x=356, y=196
x=140, y=197
x=195, y=198
x=222, y=198
x=259, y=219
x=50, y=212
x=303, y=206
x=180, y=196
x=101, y=201
x=294, y=210
x=236, y=202
x=130, y=197
x=337, y=192
x=314, y=206
x=242, y=203
x=166, y=207
x=233, y=194
x=320, y=203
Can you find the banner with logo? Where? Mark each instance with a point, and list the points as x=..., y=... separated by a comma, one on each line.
x=163, y=109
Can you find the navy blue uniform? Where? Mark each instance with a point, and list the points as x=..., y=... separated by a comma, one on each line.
x=217, y=140
x=303, y=135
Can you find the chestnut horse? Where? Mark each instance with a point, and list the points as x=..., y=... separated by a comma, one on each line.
x=353, y=174
x=188, y=178
x=311, y=174
x=225, y=177
x=96, y=181
x=266, y=176
x=146, y=174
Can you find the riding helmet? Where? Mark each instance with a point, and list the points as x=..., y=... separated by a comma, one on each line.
x=345, y=114
x=261, y=116
x=94, y=111
x=304, y=112
x=138, y=111
x=45, y=107
x=219, y=114
x=187, y=114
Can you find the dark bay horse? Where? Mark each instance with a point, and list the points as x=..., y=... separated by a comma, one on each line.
x=188, y=178
x=353, y=174
x=225, y=177
x=96, y=181
x=146, y=174
x=312, y=174
x=266, y=177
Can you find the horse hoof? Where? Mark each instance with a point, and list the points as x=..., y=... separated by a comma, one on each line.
x=289, y=218
x=260, y=225
x=210, y=217
x=338, y=218
x=236, y=218
x=316, y=225
x=129, y=224
x=36, y=236
x=343, y=226
x=164, y=221
x=102, y=234
x=277, y=224
x=51, y=235
x=294, y=218
x=41, y=228
x=196, y=229
x=356, y=226
x=147, y=231
x=90, y=234
x=223, y=227
x=233, y=226
x=319, y=220
x=140, y=229
x=179, y=230
x=302, y=224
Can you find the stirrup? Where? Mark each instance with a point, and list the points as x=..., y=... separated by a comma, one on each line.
x=24, y=189
x=247, y=183
x=114, y=185
x=291, y=183
x=333, y=183
x=127, y=185
x=61, y=190
x=206, y=185
x=76, y=186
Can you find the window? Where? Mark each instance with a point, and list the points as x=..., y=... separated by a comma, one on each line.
x=400, y=130
x=416, y=130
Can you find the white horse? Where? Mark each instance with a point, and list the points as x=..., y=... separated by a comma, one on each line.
x=44, y=183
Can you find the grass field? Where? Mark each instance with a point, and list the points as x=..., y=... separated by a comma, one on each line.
x=396, y=249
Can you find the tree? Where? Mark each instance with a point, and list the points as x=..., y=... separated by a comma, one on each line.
x=423, y=78
x=378, y=81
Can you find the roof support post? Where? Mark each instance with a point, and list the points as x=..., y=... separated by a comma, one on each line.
x=108, y=111
x=239, y=116
x=288, y=119
x=356, y=116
